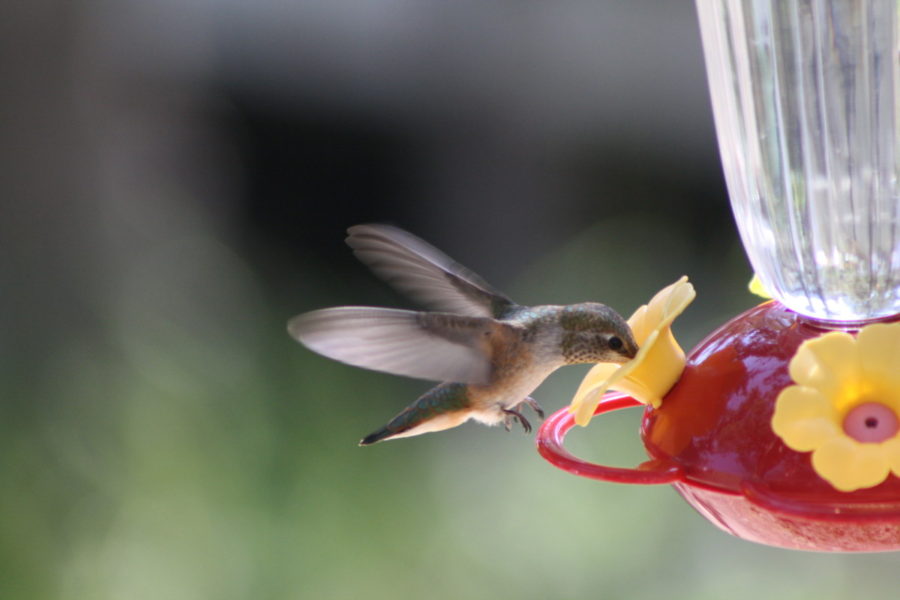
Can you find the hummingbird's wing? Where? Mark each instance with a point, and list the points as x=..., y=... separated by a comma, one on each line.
x=436, y=346
x=424, y=273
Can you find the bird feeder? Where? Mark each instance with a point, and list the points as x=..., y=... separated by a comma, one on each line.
x=784, y=426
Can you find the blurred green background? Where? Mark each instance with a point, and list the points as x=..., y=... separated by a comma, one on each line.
x=176, y=181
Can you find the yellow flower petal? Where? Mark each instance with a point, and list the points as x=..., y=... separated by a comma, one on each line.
x=756, y=287
x=659, y=361
x=848, y=465
x=891, y=450
x=592, y=388
x=665, y=306
x=642, y=325
x=584, y=408
x=804, y=418
x=829, y=363
x=660, y=368
x=598, y=376
x=879, y=347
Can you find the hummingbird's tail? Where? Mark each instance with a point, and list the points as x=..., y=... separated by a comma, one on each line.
x=375, y=436
x=441, y=407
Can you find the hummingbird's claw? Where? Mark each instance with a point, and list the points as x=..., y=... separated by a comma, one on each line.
x=534, y=406
x=513, y=415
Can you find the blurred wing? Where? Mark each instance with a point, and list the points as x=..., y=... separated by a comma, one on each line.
x=423, y=272
x=437, y=346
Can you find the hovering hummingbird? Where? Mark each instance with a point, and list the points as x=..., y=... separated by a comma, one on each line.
x=490, y=352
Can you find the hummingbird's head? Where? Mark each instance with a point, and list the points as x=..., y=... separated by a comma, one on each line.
x=593, y=332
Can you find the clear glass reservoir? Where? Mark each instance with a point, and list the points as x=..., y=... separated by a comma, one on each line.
x=806, y=98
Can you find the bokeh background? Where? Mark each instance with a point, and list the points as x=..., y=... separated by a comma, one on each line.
x=176, y=182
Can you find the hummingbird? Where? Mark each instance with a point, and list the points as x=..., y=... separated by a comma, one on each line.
x=489, y=352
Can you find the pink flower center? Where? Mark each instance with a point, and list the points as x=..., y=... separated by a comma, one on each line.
x=871, y=423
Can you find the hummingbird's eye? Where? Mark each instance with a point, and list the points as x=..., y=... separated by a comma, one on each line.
x=615, y=343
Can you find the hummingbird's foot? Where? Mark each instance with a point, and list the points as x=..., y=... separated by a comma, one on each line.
x=534, y=406
x=512, y=415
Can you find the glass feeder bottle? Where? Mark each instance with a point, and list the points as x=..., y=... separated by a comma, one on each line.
x=806, y=99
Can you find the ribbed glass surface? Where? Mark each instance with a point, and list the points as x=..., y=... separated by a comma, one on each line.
x=806, y=103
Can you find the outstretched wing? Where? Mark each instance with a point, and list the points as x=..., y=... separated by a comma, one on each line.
x=424, y=273
x=436, y=346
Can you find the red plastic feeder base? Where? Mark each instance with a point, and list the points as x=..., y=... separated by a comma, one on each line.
x=713, y=442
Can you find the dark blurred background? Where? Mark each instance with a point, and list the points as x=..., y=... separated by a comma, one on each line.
x=176, y=182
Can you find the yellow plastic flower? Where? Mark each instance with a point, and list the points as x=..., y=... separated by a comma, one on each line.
x=756, y=287
x=656, y=367
x=844, y=407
